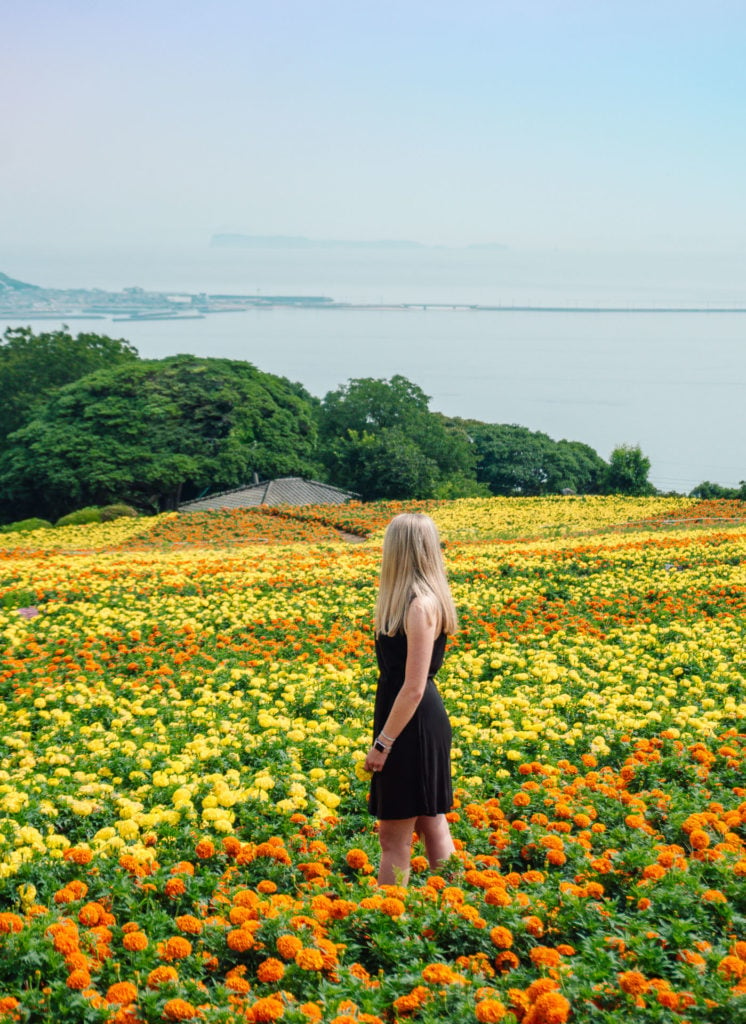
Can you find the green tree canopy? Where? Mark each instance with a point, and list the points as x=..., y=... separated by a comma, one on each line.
x=628, y=472
x=155, y=432
x=33, y=366
x=379, y=438
x=514, y=460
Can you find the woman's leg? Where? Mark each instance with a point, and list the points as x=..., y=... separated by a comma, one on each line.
x=434, y=831
x=395, y=837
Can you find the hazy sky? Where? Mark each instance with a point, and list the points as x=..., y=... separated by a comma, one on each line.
x=577, y=123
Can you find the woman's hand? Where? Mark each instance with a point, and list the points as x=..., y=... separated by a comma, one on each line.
x=375, y=760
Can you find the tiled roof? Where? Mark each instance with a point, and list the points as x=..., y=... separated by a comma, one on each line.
x=288, y=490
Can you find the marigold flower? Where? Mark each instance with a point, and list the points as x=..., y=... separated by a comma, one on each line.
x=497, y=896
x=78, y=979
x=357, y=859
x=311, y=1010
x=162, y=975
x=392, y=907
x=489, y=1011
x=545, y=956
x=10, y=923
x=714, y=896
x=309, y=959
x=175, y=948
x=549, y=1008
x=534, y=925
x=266, y=1010
x=174, y=888
x=189, y=924
x=90, y=914
x=122, y=992
x=732, y=967
x=633, y=982
x=288, y=946
x=411, y=1002
x=539, y=987
x=270, y=970
x=178, y=1009
x=183, y=867
x=501, y=937
x=440, y=974
x=205, y=849
x=266, y=886
x=240, y=940
x=78, y=855
x=134, y=942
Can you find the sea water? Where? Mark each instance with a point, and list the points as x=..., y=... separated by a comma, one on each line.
x=672, y=382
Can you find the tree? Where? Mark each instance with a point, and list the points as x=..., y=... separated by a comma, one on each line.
x=379, y=438
x=628, y=472
x=33, y=366
x=153, y=433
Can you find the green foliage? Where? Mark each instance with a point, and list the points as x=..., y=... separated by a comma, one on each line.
x=80, y=518
x=379, y=438
x=513, y=460
x=707, y=491
x=153, y=433
x=27, y=526
x=628, y=472
x=34, y=366
x=109, y=512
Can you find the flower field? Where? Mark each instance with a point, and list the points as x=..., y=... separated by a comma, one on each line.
x=186, y=701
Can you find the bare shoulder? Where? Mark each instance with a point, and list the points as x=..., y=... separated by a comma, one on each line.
x=423, y=616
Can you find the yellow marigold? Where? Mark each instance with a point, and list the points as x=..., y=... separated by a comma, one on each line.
x=78, y=979
x=488, y=1011
x=288, y=946
x=266, y=1010
x=309, y=959
x=121, y=992
x=205, y=849
x=175, y=948
x=134, y=942
x=10, y=923
x=189, y=924
x=162, y=976
x=270, y=970
x=501, y=937
x=178, y=1009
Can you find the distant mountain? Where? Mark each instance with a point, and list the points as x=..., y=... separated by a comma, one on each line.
x=238, y=241
x=11, y=284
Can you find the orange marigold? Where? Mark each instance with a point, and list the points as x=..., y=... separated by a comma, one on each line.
x=288, y=946
x=309, y=959
x=189, y=924
x=411, y=1002
x=121, y=992
x=133, y=942
x=10, y=923
x=545, y=956
x=440, y=974
x=178, y=1009
x=78, y=855
x=78, y=979
x=175, y=948
x=392, y=907
x=240, y=940
x=633, y=982
x=501, y=937
x=205, y=849
x=488, y=1011
x=714, y=896
x=270, y=970
x=311, y=1010
x=732, y=967
x=549, y=1008
x=534, y=925
x=90, y=914
x=266, y=1010
x=174, y=888
x=162, y=976
x=357, y=859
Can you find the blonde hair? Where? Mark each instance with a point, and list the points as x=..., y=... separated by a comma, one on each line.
x=412, y=566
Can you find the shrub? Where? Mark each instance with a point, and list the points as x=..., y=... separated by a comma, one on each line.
x=109, y=512
x=81, y=517
x=27, y=525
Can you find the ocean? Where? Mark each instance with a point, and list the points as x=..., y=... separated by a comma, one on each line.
x=674, y=383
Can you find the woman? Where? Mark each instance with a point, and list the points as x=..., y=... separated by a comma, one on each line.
x=410, y=757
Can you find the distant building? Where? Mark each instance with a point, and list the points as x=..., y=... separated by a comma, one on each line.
x=288, y=490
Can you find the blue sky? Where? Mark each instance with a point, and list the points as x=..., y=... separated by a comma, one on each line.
x=576, y=125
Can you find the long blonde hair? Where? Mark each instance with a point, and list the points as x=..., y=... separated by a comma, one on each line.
x=412, y=566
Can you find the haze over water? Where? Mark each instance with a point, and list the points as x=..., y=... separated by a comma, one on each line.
x=673, y=383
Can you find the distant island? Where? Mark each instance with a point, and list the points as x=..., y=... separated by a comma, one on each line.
x=22, y=301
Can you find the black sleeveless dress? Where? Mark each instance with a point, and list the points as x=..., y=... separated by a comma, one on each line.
x=416, y=778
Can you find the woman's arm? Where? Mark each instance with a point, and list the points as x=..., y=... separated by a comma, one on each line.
x=422, y=628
